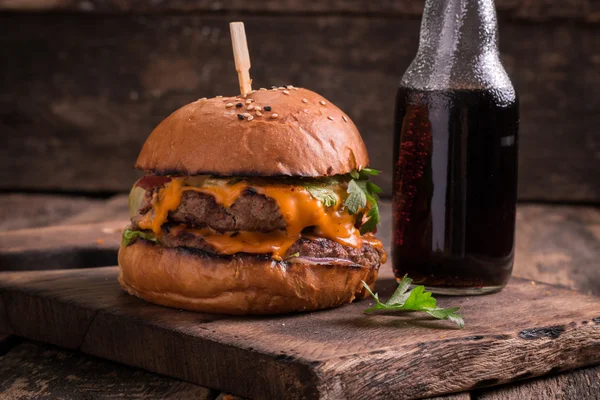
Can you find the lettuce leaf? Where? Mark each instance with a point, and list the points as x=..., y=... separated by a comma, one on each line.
x=130, y=234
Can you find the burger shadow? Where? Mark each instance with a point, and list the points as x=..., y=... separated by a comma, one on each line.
x=352, y=316
x=410, y=321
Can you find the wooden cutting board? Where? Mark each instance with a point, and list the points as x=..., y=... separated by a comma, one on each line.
x=529, y=329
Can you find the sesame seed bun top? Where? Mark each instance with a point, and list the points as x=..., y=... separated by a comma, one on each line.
x=292, y=132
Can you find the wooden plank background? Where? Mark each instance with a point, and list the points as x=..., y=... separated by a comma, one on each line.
x=81, y=91
x=588, y=10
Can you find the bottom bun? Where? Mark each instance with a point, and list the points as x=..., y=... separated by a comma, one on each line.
x=241, y=284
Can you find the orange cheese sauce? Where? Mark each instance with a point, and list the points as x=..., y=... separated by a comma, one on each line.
x=274, y=243
x=224, y=194
x=300, y=210
x=168, y=199
x=297, y=206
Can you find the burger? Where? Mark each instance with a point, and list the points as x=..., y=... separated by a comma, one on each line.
x=253, y=204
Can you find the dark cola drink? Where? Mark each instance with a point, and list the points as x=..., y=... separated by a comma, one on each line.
x=455, y=185
x=456, y=140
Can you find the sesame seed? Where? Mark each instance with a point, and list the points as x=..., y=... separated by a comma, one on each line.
x=273, y=87
x=262, y=89
x=330, y=117
x=246, y=115
x=225, y=100
x=290, y=86
x=322, y=102
x=238, y=105
x=250, y=118
x=286, y=92
x=295, y=88
x=229, y=105
x=304, y=101
x=250, y=107
x=218, y=97
x=258, y=113
x=274, y=115
x=344, y=118
x=204, y=98
x=240, y=116
x=257, y=108
x=245, y=95
x=248, y=101
x=280, y=88
x=267, y=108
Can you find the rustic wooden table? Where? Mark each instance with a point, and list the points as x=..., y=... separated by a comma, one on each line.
x=86, y=81
x=555, y=244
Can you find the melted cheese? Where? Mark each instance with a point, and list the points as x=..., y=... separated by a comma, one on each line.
x=274, y=243
x=297, y=206
x=224, y=194
x=168, y=199
x=301, y=210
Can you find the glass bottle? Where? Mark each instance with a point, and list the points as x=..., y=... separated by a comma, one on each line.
x=455, y=155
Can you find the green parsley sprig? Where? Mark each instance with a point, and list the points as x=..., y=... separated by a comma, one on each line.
x=360, y=192
x=324, y=194
x=416, y=299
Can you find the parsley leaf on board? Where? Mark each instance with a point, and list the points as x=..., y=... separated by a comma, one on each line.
x=130, y=234
x=416, y=299
x=324, y=194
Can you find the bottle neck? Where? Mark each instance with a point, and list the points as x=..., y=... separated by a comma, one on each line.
x=464, y=28
x=458, y=47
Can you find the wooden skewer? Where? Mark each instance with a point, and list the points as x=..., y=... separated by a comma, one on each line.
x=241, y=56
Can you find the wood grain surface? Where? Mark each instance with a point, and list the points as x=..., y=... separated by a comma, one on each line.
x=559, y=245
x=585, y=10
x=524, y=331
x=67, y=246
x=35, y=370
x=21, y=210
x=456, y=396
x=579, y=384
x=38, y=371
x=66, y=373
x=81, y=92
x=69, y=373
x=27, y=210
x=7, y=342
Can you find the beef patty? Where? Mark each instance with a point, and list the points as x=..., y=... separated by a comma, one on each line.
x=366, y=255
x=252, y=212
